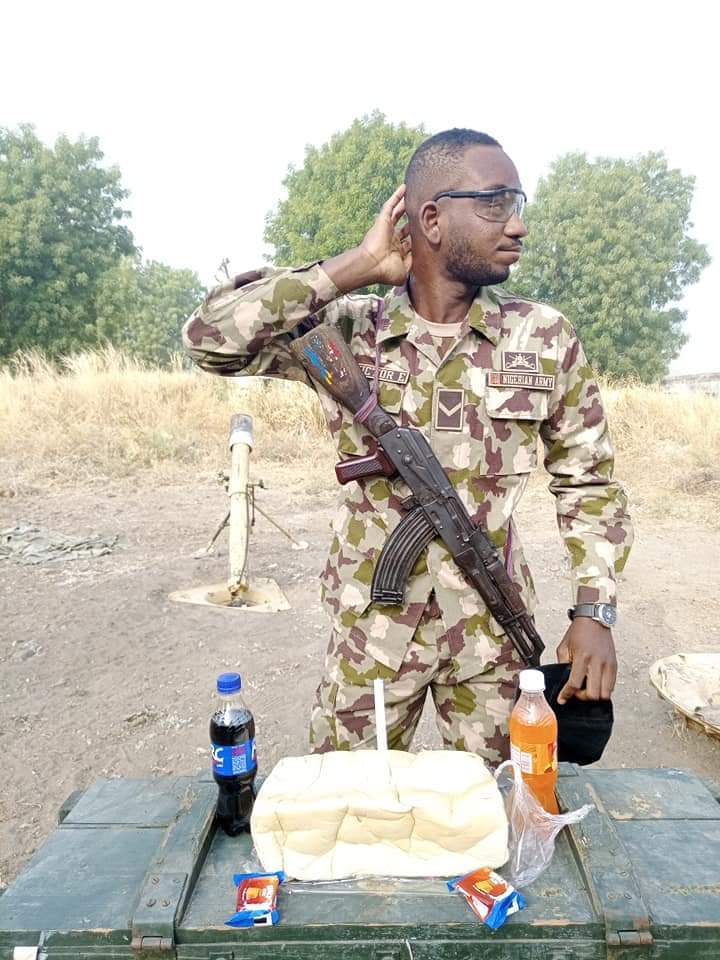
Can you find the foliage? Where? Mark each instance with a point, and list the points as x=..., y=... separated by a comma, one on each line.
x=141, y=307
x=71, y=277
x=334, y=197
x=60, y=230
x=609, y=246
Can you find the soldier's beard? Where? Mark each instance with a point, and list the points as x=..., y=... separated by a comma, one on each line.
x=464, y=265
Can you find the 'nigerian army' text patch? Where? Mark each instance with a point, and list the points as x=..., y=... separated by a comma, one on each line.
x=385, y=374
x=534, y=381
x=449, y=409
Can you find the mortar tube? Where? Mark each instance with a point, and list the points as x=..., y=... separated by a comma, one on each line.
x=240, y=443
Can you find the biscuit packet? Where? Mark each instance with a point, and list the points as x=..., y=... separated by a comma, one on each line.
x=490, y=897
x=256, y=903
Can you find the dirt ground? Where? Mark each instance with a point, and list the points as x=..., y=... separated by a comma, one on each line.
x=103, y=676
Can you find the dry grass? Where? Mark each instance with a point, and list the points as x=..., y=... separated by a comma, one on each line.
x=103, y=417
x=668, y=449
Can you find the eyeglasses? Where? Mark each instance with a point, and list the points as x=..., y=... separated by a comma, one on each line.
x=497, y=206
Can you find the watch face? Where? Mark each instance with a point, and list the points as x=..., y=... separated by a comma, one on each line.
x=608, y=614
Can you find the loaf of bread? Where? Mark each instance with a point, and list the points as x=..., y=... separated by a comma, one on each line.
x=368, y=813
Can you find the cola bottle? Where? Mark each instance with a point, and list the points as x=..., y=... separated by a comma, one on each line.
x=232, y=735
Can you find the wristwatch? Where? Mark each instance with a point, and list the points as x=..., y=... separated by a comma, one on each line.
x=604, y=613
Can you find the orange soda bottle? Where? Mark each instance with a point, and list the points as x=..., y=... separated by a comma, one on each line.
x=533, y=739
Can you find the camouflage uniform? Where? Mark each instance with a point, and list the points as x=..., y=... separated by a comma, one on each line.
x=515, y=371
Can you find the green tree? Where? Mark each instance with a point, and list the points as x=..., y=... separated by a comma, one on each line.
x=141, y=307
x=334, y=197
x=609, y=245
x=61, y=230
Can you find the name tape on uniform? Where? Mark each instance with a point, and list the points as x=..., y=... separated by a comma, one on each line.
x=386, y=374
x=535, y=381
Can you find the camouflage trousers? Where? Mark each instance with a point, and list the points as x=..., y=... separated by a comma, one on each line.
x=471, y=715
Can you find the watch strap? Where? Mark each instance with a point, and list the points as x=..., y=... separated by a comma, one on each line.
x=594, y=611
x=583, y=610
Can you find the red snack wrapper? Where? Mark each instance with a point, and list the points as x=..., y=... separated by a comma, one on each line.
x=490, y=897
x=256, y=903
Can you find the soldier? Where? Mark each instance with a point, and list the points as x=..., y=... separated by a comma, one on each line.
x=482, y=374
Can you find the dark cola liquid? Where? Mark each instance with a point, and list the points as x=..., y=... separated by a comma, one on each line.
x=232, y=735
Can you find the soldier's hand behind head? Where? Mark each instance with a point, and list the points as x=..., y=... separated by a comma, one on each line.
x=388, y=245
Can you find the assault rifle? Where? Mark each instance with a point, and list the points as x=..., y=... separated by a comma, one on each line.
x=433, y=510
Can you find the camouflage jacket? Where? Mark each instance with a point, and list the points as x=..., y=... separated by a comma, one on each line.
x=515, y=372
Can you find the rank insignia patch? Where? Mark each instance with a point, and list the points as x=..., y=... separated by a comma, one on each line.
x=385, y=374
x=449, y=406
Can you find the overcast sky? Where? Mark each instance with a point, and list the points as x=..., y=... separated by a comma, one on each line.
x=202, y=105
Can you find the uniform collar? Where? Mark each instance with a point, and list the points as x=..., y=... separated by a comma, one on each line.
x=400, y=319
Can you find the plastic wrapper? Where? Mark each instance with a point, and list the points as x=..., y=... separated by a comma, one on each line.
x=256, y=903
x=490, y=897
x=532, y=830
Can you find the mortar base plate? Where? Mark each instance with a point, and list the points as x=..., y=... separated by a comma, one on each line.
x=262, y=595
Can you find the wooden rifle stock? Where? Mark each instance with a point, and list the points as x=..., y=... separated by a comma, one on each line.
x=329, y=361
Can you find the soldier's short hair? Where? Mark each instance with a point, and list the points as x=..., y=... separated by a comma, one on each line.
x=437, y=160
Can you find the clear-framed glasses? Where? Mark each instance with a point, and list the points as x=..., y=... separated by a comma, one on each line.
x=494, y=205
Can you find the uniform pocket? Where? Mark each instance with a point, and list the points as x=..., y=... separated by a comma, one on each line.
x=516, y=403
x=515, y=416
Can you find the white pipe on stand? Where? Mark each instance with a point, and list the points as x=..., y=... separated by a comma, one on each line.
x=240, y=443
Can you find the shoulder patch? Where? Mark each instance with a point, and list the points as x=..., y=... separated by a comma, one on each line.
x=520, y=360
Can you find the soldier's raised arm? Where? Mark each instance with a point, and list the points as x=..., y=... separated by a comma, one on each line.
x=245, y=325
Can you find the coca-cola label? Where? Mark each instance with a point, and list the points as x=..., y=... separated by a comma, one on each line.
x=231, y=761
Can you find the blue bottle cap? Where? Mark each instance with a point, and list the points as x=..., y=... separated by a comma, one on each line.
x=229, y=683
